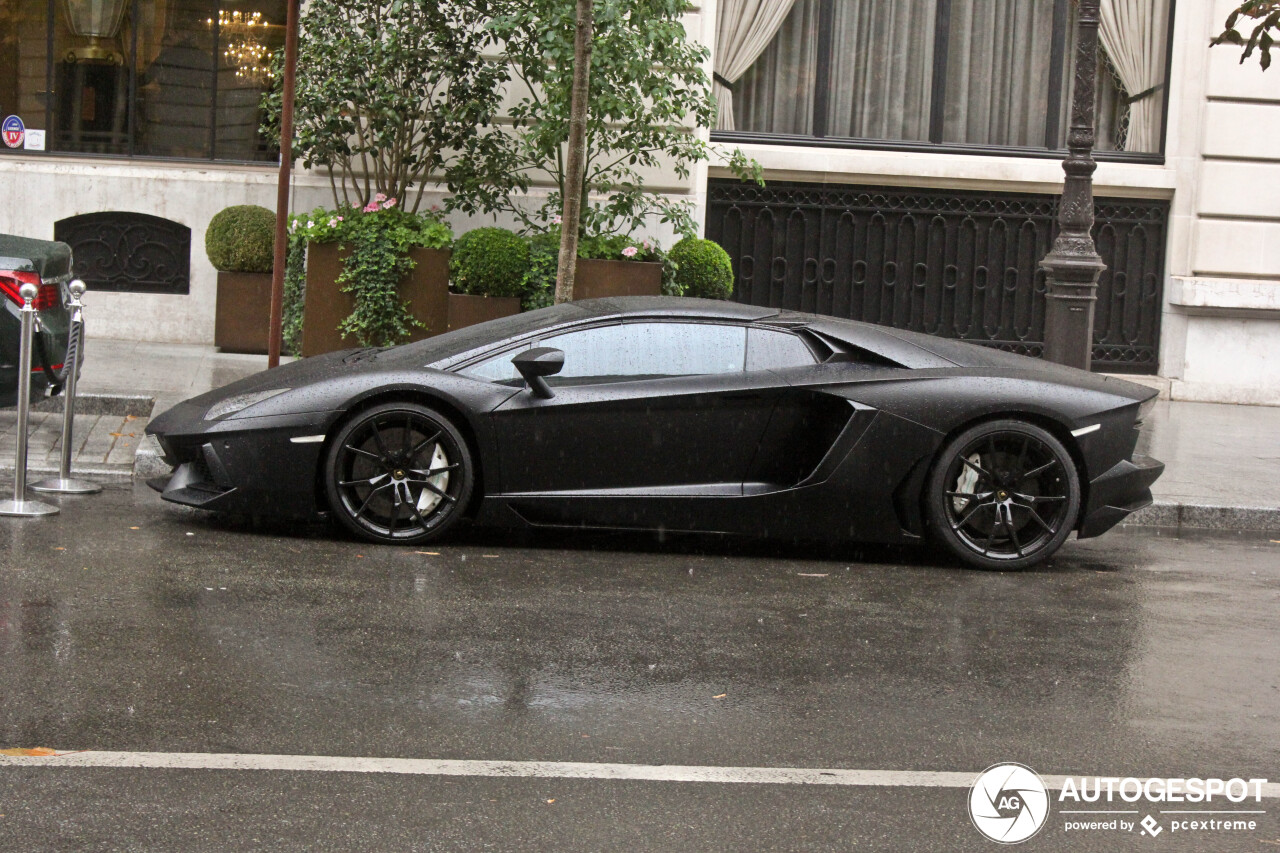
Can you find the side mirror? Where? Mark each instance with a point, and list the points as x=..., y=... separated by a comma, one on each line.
x=536, y=364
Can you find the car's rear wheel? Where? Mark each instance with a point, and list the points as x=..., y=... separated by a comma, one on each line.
x=1003, y=495
x=399, y=473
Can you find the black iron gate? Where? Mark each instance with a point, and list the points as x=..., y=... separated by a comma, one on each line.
x=956, y=264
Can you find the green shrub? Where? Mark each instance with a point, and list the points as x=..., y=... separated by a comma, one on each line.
x=489, y=262
x=241, y=238
x=703, y=269
x=544, y=259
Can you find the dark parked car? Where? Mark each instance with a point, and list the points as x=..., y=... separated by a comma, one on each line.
x=47, y=265
x=676, y=415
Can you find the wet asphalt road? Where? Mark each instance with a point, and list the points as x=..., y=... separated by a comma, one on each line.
x=128, y=624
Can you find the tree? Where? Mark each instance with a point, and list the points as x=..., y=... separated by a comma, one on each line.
x=575, y=158
x=395, y=94
x=648, y=94
x=1264, y=34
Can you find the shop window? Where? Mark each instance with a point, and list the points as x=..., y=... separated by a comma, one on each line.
x=152, y=78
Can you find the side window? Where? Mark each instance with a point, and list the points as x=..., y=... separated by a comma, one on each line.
x=636, y=351
x=497, y=368
x=770, y=349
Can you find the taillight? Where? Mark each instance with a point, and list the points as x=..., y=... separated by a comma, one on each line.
x=49, y=295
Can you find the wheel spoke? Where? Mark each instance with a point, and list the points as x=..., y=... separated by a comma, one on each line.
x=969, y=495
x=962, y=522
x=377, y=438
x=434, y=471
x=1035, y=516
x=369, y=482
x=369, y=498
x=991, y=537
x=1038, y=470
x=422, y=522
x=362, y=452
x=413, y=454
x=408, y=430
x=1038, y=499
x=1022, y=454
x=975, y=466
x=1013, y=534
x=433, y=489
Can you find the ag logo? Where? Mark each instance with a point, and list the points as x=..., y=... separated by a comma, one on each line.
x=1008, y=803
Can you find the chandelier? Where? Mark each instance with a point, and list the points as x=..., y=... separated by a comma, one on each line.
x=242, y=33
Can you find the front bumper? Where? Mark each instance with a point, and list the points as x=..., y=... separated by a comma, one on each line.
x=248, y=466
x=1122, y=490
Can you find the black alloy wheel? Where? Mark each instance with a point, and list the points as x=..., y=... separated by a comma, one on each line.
x=398, y=473
x=1003, y=495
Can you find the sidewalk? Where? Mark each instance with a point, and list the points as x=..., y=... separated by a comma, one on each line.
x=1222, y=461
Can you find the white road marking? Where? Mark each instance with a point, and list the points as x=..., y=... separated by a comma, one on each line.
x=525, y=769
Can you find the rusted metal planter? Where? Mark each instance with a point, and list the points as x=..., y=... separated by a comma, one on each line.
x=595, y=279
x=242, y=316
x=467, y=310
x=426, y=288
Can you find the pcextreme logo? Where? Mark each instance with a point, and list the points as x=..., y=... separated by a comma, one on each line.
x=1008, y=803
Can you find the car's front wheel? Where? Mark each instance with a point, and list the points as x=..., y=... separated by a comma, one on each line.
x=398, y=473
x=1003, y=495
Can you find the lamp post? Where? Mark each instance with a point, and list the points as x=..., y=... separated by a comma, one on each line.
x=1073, y=265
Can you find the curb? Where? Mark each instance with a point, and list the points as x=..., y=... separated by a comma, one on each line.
x=1176, y=515
x=137, y=405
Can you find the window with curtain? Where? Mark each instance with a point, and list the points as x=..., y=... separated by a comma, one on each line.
x=154, y=78
x=987, y=73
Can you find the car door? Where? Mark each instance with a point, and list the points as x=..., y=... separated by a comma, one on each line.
x=641, y=408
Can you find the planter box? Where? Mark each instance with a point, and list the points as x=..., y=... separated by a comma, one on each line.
x=466, y=310
x=242, y=316
x=426, y=288
x=593, y=279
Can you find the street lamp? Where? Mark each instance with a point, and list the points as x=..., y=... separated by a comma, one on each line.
x=1073, y=265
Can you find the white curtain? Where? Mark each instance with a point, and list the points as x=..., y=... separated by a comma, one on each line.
x=776, y=94
x=744, y=28
x=1134, y=34
x=881, y=69
x=998, y=72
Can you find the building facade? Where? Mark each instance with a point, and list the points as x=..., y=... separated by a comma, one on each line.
x=911, y=152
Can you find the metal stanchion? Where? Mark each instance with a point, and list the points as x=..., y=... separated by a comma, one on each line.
x=63, y=484
x=20, y=506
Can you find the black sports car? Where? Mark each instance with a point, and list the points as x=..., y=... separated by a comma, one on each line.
x=678, y=415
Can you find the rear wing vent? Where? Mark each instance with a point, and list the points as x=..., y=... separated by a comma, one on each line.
x=835, y=351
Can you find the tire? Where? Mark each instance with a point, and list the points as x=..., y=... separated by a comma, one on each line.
x=398, y=473
x=1003, y=495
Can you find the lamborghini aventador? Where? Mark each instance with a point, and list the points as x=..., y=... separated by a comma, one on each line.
x=676, y=415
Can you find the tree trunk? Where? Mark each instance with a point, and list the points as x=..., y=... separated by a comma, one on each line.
x=575, y=165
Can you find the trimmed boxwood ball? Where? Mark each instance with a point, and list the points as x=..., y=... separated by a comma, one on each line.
x=703, y=268
x=241, y=238
x=489, y=262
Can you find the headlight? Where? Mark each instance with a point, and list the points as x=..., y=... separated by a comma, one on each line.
x=231, y=405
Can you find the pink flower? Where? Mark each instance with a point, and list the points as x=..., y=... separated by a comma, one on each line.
x=339, y=218
x=555, y=220
x=646, y=244
x=380, y=198
x=388, y=204
x=333, y=223
x=435, y=208
x=629, y=252
x=371, y=207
